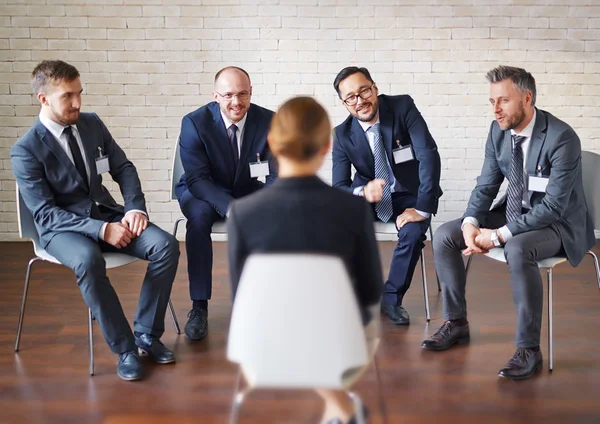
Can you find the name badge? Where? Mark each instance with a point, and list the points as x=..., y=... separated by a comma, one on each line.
x=403, y=154
x=102, y=165
x=259, y=169
x=538, y=184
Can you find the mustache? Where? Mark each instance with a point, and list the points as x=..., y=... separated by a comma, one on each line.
x=364, y=105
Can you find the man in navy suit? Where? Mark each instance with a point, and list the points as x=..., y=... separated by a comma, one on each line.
x=58, y=165
x=220, y=144
x=397, y=167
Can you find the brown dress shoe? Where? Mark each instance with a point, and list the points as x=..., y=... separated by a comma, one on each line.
x=523, y=364
x=449, y=334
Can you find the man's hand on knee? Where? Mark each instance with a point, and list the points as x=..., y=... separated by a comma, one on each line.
x=470, y=234
x=117, y=235
x=136, y=222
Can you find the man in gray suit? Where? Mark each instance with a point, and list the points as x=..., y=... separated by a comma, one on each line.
x=58, y=165
x=542, y=214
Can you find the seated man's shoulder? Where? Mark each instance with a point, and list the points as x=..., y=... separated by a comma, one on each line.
x=263, y=112
x=556, y=125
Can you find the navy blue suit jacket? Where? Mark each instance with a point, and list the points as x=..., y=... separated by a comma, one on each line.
x=400, y=120
x=207, y=157
x=55, y=192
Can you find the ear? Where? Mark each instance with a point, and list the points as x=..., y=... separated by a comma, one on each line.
x=215, y=96
x=42, y=98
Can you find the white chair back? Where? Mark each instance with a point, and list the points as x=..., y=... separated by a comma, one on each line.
x=296, y=322
x=25, y=220
x=590, y=165
x=176, y=170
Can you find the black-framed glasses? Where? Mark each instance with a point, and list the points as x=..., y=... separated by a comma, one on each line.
x=242, y=95
x=363, y=94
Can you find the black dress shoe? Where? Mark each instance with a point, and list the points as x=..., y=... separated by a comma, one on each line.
x=396, y=313
x=154, y=349
x=130, y=367
x=523, y=364
x=197, y=325
x=449, y=334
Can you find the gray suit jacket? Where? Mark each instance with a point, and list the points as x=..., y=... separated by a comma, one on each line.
x=554, y=148
x=54, y=191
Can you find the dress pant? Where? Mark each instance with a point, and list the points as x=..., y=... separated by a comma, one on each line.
x=198, y=244
x=521, y=252
x=84, y=256
x=407, y=252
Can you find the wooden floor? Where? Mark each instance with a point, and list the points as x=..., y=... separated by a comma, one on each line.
x=48, y=381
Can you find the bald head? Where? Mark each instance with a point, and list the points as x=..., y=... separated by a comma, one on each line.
x=233, y=92
x=229, y=73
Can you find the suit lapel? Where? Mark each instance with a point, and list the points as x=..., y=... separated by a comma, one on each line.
x=222, y=139
x=360, y=142
x=538, y=137
x=386, y=120
x=247, y=142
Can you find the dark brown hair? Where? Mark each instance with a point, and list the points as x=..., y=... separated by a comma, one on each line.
x=53, y=72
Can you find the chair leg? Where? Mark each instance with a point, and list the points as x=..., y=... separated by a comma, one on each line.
x=468, y=266
x=550, y=341
x=425, y=292
x=174, y=317
x=176, y=225
x=91, y=332
x=432, y=256
x=238, y=398
x=382, y=407
x=358, y=407
x=593, y=255
x=24, y=301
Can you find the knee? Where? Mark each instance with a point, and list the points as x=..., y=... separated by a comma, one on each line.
x=516, y=250
x=84, y=263
x=200, y=222
x=168, y=248
x=411, y=234
x=444, y=235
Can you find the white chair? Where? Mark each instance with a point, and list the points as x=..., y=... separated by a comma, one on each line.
x=296, y=324
x=113, y=260
x=219, y=228
x=389, y=229
x=590, y=164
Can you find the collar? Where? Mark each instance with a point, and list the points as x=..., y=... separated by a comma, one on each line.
x=54, y=127
x=528, y=130
x=228, y=123
x=365, y=125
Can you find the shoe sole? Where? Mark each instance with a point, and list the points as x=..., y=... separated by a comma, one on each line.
x=523, y=377
x=129, y=379
x=196, y=339
x=462, y=340
x=143, y=352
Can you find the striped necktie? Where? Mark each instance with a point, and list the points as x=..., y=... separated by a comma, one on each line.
x=384, y=207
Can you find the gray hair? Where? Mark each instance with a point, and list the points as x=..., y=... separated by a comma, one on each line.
x=522, y=79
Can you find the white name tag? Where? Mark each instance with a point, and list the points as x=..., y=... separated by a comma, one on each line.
x=538, y=184
x=403, y=154
x=259, y=169
x=102, y=165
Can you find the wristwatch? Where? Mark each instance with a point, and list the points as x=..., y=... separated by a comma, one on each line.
x=494, y=238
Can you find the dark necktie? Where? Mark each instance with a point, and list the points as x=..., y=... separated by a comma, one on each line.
x=76, y=153
x=232, y=133
x=384, y=207
x=514, y=192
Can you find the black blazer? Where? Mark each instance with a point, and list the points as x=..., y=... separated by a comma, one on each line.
x=207, y=159
x=400, y=121
x=305, y=215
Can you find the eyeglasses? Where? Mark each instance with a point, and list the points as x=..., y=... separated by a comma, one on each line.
x=363, y=94
x=243, y=95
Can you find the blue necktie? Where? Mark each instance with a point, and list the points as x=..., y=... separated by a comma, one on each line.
x=514, y=192
x=384, y=207
x=232, y=133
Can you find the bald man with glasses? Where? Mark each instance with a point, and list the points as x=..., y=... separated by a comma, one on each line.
x=397, y=167
x=220, y=145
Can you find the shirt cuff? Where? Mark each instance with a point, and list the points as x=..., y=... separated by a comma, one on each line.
x=506, y=234
x=423, y=214
x=359, y=191
x=469, y=220
x=137, y=210
x=102, y=230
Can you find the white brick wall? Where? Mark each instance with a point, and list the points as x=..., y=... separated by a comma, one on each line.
x=147, y=63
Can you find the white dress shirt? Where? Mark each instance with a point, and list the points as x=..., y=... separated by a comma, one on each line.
x=395, y=185
x=240, y=129
x=527, y=133
x=57, y=130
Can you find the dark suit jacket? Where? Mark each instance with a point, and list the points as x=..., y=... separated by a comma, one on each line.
x=400, y=120
x=305, y=215
x=54, y=191
x=556, y=148
x=207, y=158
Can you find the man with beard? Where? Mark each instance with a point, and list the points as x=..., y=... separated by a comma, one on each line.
x=397, y=167
x=58, y=165
x=220, y=144
x=542, y=214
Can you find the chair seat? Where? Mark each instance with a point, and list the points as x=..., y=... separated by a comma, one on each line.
x=498, y=255
x=219, y=227
x=113, y=260
x=385, y=227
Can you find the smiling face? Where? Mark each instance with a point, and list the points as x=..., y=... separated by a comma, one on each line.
x=233, y=92
x=358, y=85
x=512, y=107
x=61, y=102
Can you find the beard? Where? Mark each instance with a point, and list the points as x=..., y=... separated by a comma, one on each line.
x=65, y=118
x=369, y=117
x=515, y=120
